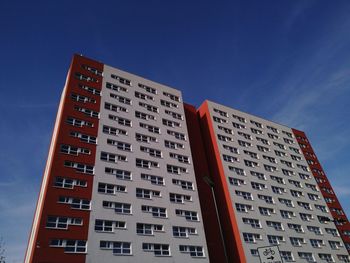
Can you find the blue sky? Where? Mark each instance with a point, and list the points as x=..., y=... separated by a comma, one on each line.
x=288, y=61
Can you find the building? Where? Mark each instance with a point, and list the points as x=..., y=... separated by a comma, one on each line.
x=119, y=184
x=135, y=175
x=270, y=189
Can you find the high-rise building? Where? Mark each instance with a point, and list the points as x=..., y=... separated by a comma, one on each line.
x=119, y=185
x=135, y=175
x=270, y=189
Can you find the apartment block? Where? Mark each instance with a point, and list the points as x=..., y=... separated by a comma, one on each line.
x=270, y=189
x=119, y=184
x=136, y=175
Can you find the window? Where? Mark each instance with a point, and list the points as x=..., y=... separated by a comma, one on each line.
x=146, y=193
x=280, y=153
x=237, y=171
x=258, y=186
x=265, y=211
x=257, y=124
x=304, y=205
x=114, y=107
x=277, y=179
x=159, y=212
x=286, y=163
x=171, y=96
x=80, y=167
x=344, y=258
x=321, y=208
x=286, y=214
x=262, y=140
x=296, y=227
x=243, y=207
x=59, y=222
x=194, y=251
x=250, y=163
x=262, y=148
x=224, y=138
x=147, y=88
x=146, y=163
x=312, y=187
x=296, y=193
x=278, y=190
x=120, y=174
x=108, y=226
x=326, y=257
x=226, y=130
x=145, y=138
x=121, y=80
x=272, y=129
x=260, y=176
x=229, y=158
x=177, y=135
x=175, y=169
x=79, y=123
x=230, y=148
x=256, y=131
x=179, y=198
x=69, y=183
x=87, y=112
x=113, y=131
x=184, y=232
x=303, y=167
x=245, y=195
x=174, y=114
x=120, y=145
x=287, y=256
x=275, y=240
x=110, y=188
x=75, y=203
x=112, y=158
x=245, y=135
x=222, y=113
x=235, y=181
x=219, y=120
x=151, y=151
x=287, y=172
x=90, y=89
x=276, y=225
x=255, y=223
x=119, y=208
x=143, y=96
x=295, y=183
x=147, y=229
x=305, y=217
x=92, y=70
x=251, y=237
x=157, y=180
x=270, y=159
x=70, y=246
x=279, y=145
x=120, y=120
x=168, y=104
x=287, y=202
x=315, y=230
x=272, y=136
x=159, y=250
x=118, y=248
x=270, y=168
x=81, y=98
x=80, y=76
x=266, y=198
x=307, y=256
x=173, y=145
x=179, y=157
x=251, y=154
x=170, y=123
x=244, y=143
x=144, y=116
x=149, y=107
x=296, y=241
x=116, y=87
x=189, y=215
x=120, y=99
x=84, y=137
x=186, y=185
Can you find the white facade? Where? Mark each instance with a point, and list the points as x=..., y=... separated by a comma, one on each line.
x=275, y=196
x=144, y=192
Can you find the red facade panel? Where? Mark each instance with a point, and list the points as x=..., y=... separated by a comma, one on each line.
x=215, y=246
x=233, y=243
x=327, y=191
x=41, y=251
